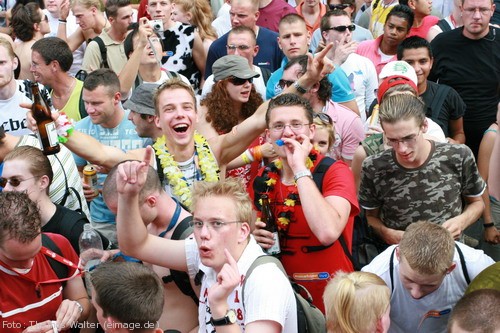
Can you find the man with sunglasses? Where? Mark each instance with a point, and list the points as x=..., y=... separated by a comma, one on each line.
x=337, y=28
x=418, y=179
x=349, y=130
x=359, y=33
x=294, y=40
x=34, y=298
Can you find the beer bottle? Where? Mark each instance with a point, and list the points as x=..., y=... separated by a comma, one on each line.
x=270, y=221
x=47, y=133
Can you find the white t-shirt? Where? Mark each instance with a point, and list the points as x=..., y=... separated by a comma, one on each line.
x=362, y=76
x=12, y=116
x=429, y=314
x=268, y=293
x=258, y=82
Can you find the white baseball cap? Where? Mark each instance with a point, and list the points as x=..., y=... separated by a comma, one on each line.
x=398, y=68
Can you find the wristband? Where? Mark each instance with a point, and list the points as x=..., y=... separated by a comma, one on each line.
x=247, y=156
x=300, y=174
x=62, y=21
x=64, y=127
x=257, y=153
x=488, y=225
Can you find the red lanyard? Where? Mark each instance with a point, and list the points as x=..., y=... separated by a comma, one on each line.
x=54, y=256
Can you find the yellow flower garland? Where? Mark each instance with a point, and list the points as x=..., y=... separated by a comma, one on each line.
x=176, y=180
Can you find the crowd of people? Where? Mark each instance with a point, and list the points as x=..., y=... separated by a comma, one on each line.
x=222, y=129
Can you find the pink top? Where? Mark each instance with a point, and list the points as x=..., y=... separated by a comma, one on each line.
x=371, y=50
x=349, y=131
x=427, y=23
x=271, y=14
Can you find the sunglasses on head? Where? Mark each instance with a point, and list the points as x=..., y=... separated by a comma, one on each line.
x=342, y=28
x=14, y=181
x=239, y=82
x=341, y=6
x=325, y=118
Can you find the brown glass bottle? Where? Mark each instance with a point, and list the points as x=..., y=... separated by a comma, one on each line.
x=47, y=133
x=270, y=221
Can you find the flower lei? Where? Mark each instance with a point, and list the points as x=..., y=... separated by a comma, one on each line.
x=284, y=212
x=176, y=180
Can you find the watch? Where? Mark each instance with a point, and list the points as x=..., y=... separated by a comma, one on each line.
x=228, y=319
x=300, y=174
x=299, y=88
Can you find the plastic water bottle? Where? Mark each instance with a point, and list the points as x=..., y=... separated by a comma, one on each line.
x=91, y=251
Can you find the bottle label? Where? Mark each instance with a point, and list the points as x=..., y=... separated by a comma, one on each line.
x=52, y=133
x=275, y=249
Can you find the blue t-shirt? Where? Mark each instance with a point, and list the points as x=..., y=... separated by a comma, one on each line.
x=122, y=136
x=341, y=90
x=269, y=56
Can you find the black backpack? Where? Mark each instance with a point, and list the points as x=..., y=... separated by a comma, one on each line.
x=181, y=279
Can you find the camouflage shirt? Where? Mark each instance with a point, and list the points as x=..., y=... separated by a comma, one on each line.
x=430, y=192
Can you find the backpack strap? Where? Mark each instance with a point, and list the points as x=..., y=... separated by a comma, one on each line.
x=59, y=268
x=462, y=262
x=81, y=106
x=391, y=269
x=444, y=25
x=266, y=74
x=438, y=100
x=104, y=51
x=264, y=259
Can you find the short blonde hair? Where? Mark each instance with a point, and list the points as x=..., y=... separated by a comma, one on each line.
x=428, y=248
x=89, y=4
x=355, y=301
x=329, y=128
x=233, y=188
x=8, y=46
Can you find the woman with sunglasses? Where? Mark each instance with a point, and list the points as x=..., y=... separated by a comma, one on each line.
x=29, y=24
x=233, y=99
x=324, y=136
x=27, y=169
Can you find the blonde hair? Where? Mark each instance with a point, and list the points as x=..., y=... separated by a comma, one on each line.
x=354, y=302
x=89, y=4
x=202, y=17
x=233, y=188
x=399, y=107
x=8, y=46
x=428, y=248
x=329, y=128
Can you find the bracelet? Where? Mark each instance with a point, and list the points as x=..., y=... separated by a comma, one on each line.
x=64, y=127
x=80, y=307
x=257, y=153
x=247, y=156
x=488, y=225
x=62, y=21
x=300, y=174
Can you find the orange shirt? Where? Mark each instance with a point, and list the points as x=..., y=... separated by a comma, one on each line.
x=322, y=12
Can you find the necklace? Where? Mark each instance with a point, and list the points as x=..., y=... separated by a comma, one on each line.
x=265, y=184
x=67, y=90
x=208, y=169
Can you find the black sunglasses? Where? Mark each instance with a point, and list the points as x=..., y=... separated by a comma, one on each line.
x=342, y=28
x=239, y=82
x=283, y=84
x=325, y=118
x=341, y=6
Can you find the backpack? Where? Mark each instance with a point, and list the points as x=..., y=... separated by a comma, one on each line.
x=438, y=100
x=181, y=279
x=309, y=318
x=460, y=255
x=444, y=25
